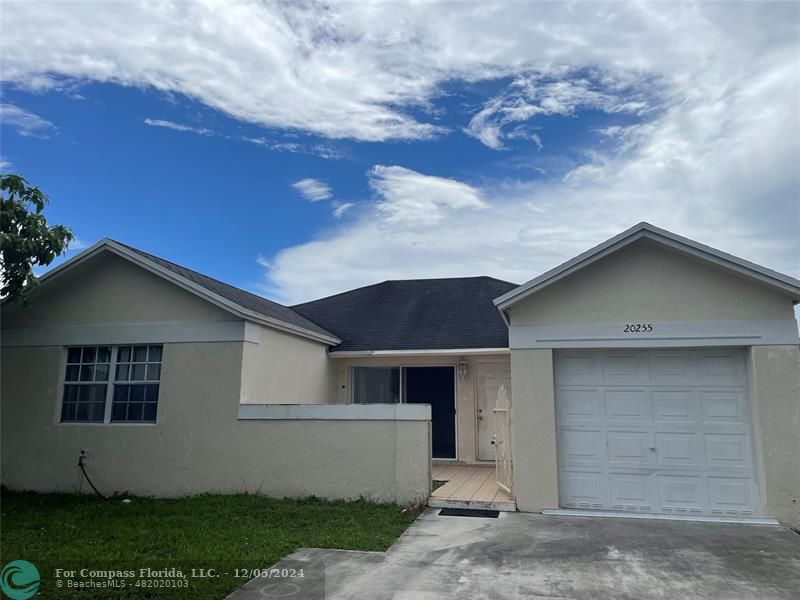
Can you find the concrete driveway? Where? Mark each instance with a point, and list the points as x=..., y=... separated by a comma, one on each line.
x=524, y=556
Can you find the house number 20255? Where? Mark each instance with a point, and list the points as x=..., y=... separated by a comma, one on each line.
x=638, y=328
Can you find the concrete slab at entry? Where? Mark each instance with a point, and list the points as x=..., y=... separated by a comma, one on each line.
x=528, y=556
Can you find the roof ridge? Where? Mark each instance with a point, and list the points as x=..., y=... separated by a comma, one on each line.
x=364, y=287
x=449, y=279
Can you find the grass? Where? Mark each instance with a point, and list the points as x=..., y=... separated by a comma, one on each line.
x=436, y=484
x=219, y=532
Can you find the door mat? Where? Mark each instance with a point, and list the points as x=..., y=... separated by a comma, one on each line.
x=469, y=512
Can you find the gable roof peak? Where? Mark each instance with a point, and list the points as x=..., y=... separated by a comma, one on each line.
x=781, y=282
x=239, y=302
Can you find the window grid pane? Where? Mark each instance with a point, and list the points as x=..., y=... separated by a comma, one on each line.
x=89, y=353
x=136, y=384
x=84, y=403
x=85, y=384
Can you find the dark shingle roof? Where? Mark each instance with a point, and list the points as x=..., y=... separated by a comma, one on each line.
x=416, y=314
x=252, y=302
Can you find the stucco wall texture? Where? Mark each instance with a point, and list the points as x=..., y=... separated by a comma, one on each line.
x=647, y=281
x=198, y=445
x=108, y=289
x=775, y=392
x=283, y=368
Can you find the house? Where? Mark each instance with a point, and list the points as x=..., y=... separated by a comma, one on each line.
x=649, y=375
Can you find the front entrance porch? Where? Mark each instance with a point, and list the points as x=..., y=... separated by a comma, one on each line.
x=469, y=487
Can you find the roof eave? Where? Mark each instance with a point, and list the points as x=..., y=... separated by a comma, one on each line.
x=418, y=352
x=198, y=290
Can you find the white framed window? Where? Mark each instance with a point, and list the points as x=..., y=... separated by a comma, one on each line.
x=86, y=384
x=111, y=384
x=376, y=385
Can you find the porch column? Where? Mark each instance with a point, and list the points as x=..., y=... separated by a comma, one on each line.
x=533, y=430
x=775, y=393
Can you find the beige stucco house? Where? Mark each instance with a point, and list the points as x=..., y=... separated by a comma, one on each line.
x=651, y=375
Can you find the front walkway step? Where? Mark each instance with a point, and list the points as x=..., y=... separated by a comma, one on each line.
x=503, y=506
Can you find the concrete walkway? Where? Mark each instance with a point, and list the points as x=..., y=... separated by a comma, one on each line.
x=531, y=557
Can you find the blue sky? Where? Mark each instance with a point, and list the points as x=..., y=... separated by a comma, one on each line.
x=300, y=150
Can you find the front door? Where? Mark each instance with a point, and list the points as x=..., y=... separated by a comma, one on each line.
x=490, y=378
x=435, y=386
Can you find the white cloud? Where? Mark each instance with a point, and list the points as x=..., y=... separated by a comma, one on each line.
x=408, y=198
x=77, y=244
x=177, y=126
x=356, y=69
x=5, y=163
x=523, y=133
x=339, y=208
x=320, y=150
x=25, y=122
x=535, y=95
x=289, y=65
x=313, y=189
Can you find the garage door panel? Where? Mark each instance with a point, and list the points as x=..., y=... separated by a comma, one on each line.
x=674, y=449
x=672, y=367
x=585, y=489
x=579, y=405
x=724, y=451
x=582, y=447
x=675, y=406
x=578, y=368
x=627, y=368
x=723, y=406
x=630, y=448
x=730, y=495
x=721, y=366
x=665, y=431
x=630, y=491
x=682, y=493
x=631, y=407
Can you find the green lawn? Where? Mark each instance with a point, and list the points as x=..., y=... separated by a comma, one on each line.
x=217, y=532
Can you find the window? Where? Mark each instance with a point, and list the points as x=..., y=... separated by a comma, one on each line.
x=374, y=385
x=136, y=383
x=85, y=384
x=92, y=396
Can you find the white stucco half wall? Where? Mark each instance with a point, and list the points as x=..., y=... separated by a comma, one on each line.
x=199, y=444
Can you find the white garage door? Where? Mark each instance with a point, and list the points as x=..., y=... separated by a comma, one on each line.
x=658, y=431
